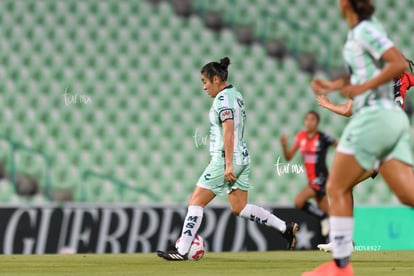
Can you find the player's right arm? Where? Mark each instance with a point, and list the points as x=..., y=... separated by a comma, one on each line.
x=322, y=87
x=341, y=109
x=288, y=152
x=228, y=141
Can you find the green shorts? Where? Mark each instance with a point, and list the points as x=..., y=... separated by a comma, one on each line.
x=376, y=135
x=213, y=178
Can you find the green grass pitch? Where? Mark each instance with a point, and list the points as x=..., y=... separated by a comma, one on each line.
x=244, y=263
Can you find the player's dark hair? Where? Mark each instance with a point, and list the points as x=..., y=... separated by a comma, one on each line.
x=219, y=69
x=363, y=8
x=410, y=64
x=314, y=113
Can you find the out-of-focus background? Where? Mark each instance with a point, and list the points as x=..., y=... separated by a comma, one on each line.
x=101, y=101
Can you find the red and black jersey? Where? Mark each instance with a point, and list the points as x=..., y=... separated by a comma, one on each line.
x=313, y=152
x=401, y=85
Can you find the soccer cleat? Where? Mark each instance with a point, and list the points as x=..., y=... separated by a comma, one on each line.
x=330, y=269
x=325, y=227
x=172, y=255
x=326, y=247
x=290, y=234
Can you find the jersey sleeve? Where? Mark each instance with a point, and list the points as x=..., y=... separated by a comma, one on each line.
x=226, y=114
x=225, y=108
x=374, y=41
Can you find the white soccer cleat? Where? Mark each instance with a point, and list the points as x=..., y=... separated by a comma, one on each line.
x=326, y=247
x=325, y=227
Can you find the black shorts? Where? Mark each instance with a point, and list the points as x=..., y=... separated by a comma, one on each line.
x=319, y=186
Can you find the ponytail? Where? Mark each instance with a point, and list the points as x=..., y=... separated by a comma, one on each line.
x=217, y=69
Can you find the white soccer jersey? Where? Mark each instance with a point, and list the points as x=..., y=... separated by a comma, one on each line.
x=366, y=43
x=228, y=104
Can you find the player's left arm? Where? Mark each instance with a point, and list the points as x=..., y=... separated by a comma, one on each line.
x=341, y=109
x=226, y=116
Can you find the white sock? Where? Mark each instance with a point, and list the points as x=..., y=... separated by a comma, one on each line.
x=262, y=216
x=341, y=236
x=191, y=224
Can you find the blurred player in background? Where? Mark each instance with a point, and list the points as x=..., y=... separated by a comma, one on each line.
x=313, y=146
x=377, y=134
x=229, y=167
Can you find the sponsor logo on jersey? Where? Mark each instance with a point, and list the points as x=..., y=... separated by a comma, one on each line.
x=240, y=102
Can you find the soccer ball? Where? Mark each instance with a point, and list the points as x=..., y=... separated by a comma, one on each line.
x=197, y=248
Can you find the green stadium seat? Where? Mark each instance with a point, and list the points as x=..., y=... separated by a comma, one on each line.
x=7, y=190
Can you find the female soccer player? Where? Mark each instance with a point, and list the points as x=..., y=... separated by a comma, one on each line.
x=313, y=146
x=404, y=82
x=378, y=132
x=229, y=167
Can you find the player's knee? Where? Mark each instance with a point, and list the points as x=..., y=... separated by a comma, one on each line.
x=333, y=190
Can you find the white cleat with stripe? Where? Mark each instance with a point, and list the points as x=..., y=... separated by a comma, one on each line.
x=172, y=255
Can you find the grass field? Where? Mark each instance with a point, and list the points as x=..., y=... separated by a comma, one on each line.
x=244, y=263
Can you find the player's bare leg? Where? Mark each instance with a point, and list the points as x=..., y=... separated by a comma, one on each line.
x=400, y=178
x=339, y=188
x=301, y=201
x=323, y=205
x=327, y=247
